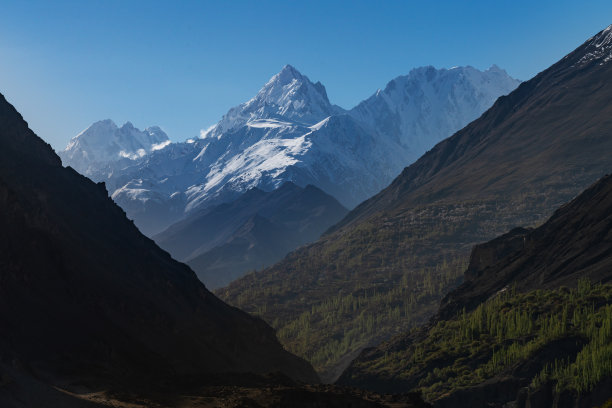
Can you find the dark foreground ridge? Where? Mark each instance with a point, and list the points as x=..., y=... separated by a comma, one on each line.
x=88, y=303
x=250, y=391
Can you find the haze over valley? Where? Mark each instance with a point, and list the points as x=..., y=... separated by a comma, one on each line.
x=444, y=241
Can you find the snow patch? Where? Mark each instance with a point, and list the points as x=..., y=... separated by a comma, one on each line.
x=159, y=146
x=320, y=124
x=599, y=48
x=132, y=156
x=267, y=123
x=204, y=133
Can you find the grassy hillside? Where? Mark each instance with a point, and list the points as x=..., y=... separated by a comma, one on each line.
x=357, y=288
x=510, y=333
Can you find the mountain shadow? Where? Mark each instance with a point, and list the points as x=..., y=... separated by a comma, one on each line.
x=88, y=303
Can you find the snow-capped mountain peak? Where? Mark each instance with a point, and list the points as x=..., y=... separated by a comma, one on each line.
x=292, y=93
x=598, y=48
x=287, y=75
x=289, y=131
x=422, y=108
x=496, y=68
x=287, y=96
x=104, y=142
x=101, y=127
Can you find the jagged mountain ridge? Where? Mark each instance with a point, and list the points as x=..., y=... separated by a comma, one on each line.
x=110, y=306
x=533, y=150
x=102, y=143
x=291, y=132
x=406, y=110
x=573, y=245
x=440, y=165
x=222, y=243
x=287, y=95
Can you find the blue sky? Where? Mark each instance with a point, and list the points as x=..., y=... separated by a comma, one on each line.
x=182, y=64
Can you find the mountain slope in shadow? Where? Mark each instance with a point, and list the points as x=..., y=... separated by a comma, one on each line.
x=224, y=242
x=87, y=301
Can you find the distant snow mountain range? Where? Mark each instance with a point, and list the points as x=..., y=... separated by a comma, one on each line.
x=288, y=132
x=104, y=142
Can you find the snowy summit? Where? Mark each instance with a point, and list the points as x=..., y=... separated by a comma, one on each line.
x=288, y=96
x=598, y=48
x=289, y=131
x=104, y=142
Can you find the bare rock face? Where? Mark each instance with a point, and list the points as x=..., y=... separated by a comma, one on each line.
x=489, y=253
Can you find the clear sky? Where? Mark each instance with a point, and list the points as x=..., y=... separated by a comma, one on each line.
x=182, y=64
